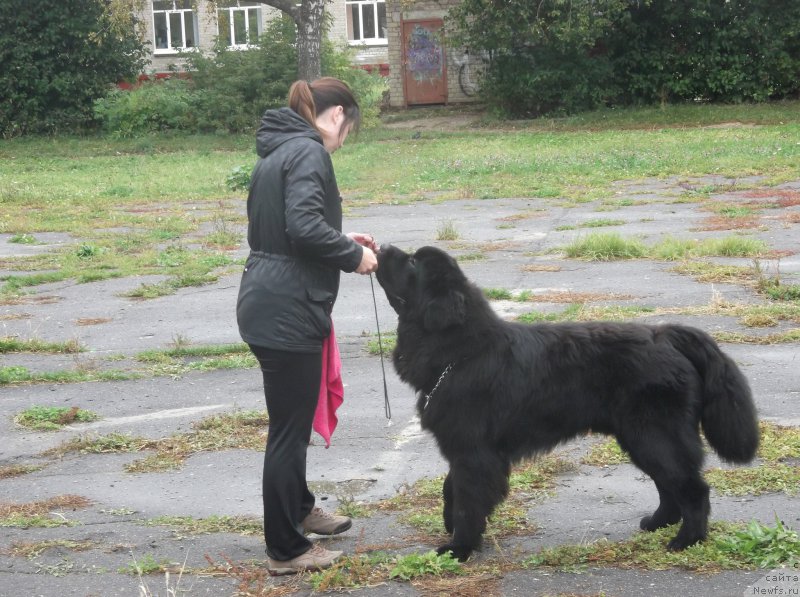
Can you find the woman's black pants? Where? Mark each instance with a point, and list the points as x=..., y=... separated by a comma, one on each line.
x=291, y=388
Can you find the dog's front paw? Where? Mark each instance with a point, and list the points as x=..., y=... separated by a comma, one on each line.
x=680, y=543
x=459, y=552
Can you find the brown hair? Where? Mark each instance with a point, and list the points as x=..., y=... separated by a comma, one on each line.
x=308, y=99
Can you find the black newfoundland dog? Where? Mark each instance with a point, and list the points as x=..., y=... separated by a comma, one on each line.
x=493, y=392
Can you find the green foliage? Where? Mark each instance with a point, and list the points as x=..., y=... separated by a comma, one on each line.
x=232, y=88
x=369, y=88
x=56, y=58
x=239, y=179
x=146, y=565
x=561, y=56
x=763, y=546
x=228, y=90
x=152, y=107
x=605, y=247
x=544, y=55
x=23, y=239
x=414, y=565
x=734, y=51
x=50, y=418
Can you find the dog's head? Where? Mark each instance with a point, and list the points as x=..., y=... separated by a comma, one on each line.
x=427, y=287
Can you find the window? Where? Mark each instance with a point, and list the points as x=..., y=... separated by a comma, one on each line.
x=366, y=21
x=174, y=25
x=239, y=25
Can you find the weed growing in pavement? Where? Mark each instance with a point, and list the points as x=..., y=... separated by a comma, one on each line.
x=430, y=563
x=52, y=418
x=11, y=344
x=145, y=565
x=605, y=247
x=34, y=549
x=237, y=430
x=728, y=547
x=597, y=223
x=187, y=525
x=42, y=514
x=17, y=470
x=446, y=230
x=388, y=342
x=16, y=374
x=764, y=546
x=612, y=246
x=23, y=239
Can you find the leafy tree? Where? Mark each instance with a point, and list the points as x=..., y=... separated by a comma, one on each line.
x=569, y=55
x=544, y=54
x=56, y=58
x=309, y=19
x=712, y=50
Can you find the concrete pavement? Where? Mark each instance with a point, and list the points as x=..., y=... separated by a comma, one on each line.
x=369, y=460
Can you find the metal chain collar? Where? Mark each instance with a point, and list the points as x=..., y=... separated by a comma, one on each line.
x=430, y=394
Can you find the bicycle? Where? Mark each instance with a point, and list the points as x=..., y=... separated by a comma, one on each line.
x=468, y=86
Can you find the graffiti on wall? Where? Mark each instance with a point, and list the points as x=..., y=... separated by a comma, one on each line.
x=423, y=55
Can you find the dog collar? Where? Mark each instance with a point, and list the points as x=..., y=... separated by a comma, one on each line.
x=430, y=394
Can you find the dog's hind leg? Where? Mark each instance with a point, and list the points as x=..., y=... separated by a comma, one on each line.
x=673, y=459
x=476, y=483
x=692, y=494
x=667, y=513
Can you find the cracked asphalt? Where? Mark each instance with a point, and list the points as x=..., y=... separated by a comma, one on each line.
x=504, y=243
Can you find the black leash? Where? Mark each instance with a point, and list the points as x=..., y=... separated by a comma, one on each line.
x=387, y=407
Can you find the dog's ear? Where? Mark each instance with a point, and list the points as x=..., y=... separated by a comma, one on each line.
x=440, y=312
x=442, y=302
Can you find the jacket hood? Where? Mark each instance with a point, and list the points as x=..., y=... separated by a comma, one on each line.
x=279, y=126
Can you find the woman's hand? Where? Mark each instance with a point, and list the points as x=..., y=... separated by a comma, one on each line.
x=369, y=262
x=365, y=240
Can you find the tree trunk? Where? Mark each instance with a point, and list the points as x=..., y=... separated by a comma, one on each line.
x=308, y=16
x=309, y=39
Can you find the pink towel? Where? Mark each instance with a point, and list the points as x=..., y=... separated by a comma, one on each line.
x=331, y=389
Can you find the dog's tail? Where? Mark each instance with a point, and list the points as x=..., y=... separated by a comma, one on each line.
x=728, y=414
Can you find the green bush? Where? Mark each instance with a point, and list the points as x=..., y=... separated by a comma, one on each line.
x=554, y=56
x=56, y=58
x=370, y=89
x=229, y=90
x=154, y=106
x=733, y=51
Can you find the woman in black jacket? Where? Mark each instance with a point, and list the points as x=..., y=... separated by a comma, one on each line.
x=287, y=292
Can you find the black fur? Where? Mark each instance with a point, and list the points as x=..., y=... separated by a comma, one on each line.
x=517, y=390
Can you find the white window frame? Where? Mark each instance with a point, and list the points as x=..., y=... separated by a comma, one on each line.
x=246, y=9
x=186, y=14
x=373, y=41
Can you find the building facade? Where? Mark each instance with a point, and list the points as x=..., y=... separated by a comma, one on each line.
x=173, y=26
x=405, y=40
x=424, y=67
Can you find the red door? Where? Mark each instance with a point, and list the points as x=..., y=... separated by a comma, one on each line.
x=424, y=69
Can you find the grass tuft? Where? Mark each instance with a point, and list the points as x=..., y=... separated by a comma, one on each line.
x=53, y=418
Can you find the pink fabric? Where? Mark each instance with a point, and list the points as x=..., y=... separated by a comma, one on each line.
x=331, y=389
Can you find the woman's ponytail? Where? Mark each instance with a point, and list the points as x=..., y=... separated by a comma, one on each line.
x=301, y=101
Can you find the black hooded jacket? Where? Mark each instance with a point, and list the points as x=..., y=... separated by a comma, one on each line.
x=297, y=250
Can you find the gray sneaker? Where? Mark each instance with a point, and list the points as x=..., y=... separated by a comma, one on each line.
x=320, y=522
x=316, y=558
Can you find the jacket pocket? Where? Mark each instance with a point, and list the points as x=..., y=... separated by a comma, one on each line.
x=320, y=304
x=322, y=298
